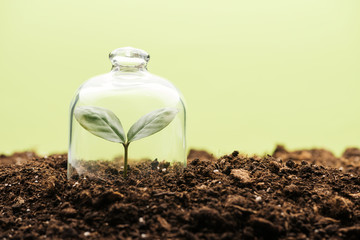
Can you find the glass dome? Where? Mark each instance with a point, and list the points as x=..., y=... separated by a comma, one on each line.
x=126, y=115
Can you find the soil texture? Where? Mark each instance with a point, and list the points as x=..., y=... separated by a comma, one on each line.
x=308, y=194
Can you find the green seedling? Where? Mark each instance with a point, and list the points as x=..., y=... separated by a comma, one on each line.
x=105, y=124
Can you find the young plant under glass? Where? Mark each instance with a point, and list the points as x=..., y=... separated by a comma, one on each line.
x=126, y=105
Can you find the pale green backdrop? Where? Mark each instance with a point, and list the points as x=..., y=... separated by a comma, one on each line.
x=254, y=73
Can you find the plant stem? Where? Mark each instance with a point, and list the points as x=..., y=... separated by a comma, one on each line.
x=126, y=146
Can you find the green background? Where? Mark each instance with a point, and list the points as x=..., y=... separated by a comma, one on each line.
x=254, y=73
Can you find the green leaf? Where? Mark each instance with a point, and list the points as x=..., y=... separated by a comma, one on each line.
x=101, y=122
x=151, y=123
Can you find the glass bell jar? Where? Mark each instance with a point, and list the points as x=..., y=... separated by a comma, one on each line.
x=126, y=117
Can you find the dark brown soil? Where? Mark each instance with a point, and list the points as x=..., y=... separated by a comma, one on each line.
x=291, y=195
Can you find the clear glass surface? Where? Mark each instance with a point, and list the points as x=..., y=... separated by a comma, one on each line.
x=130, y=92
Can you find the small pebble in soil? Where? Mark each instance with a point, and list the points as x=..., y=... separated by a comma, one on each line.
x=141, y=220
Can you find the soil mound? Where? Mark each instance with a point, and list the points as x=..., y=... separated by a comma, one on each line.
x=290, y=195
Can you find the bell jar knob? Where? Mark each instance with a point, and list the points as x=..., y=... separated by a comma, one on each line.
x=128, y=58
